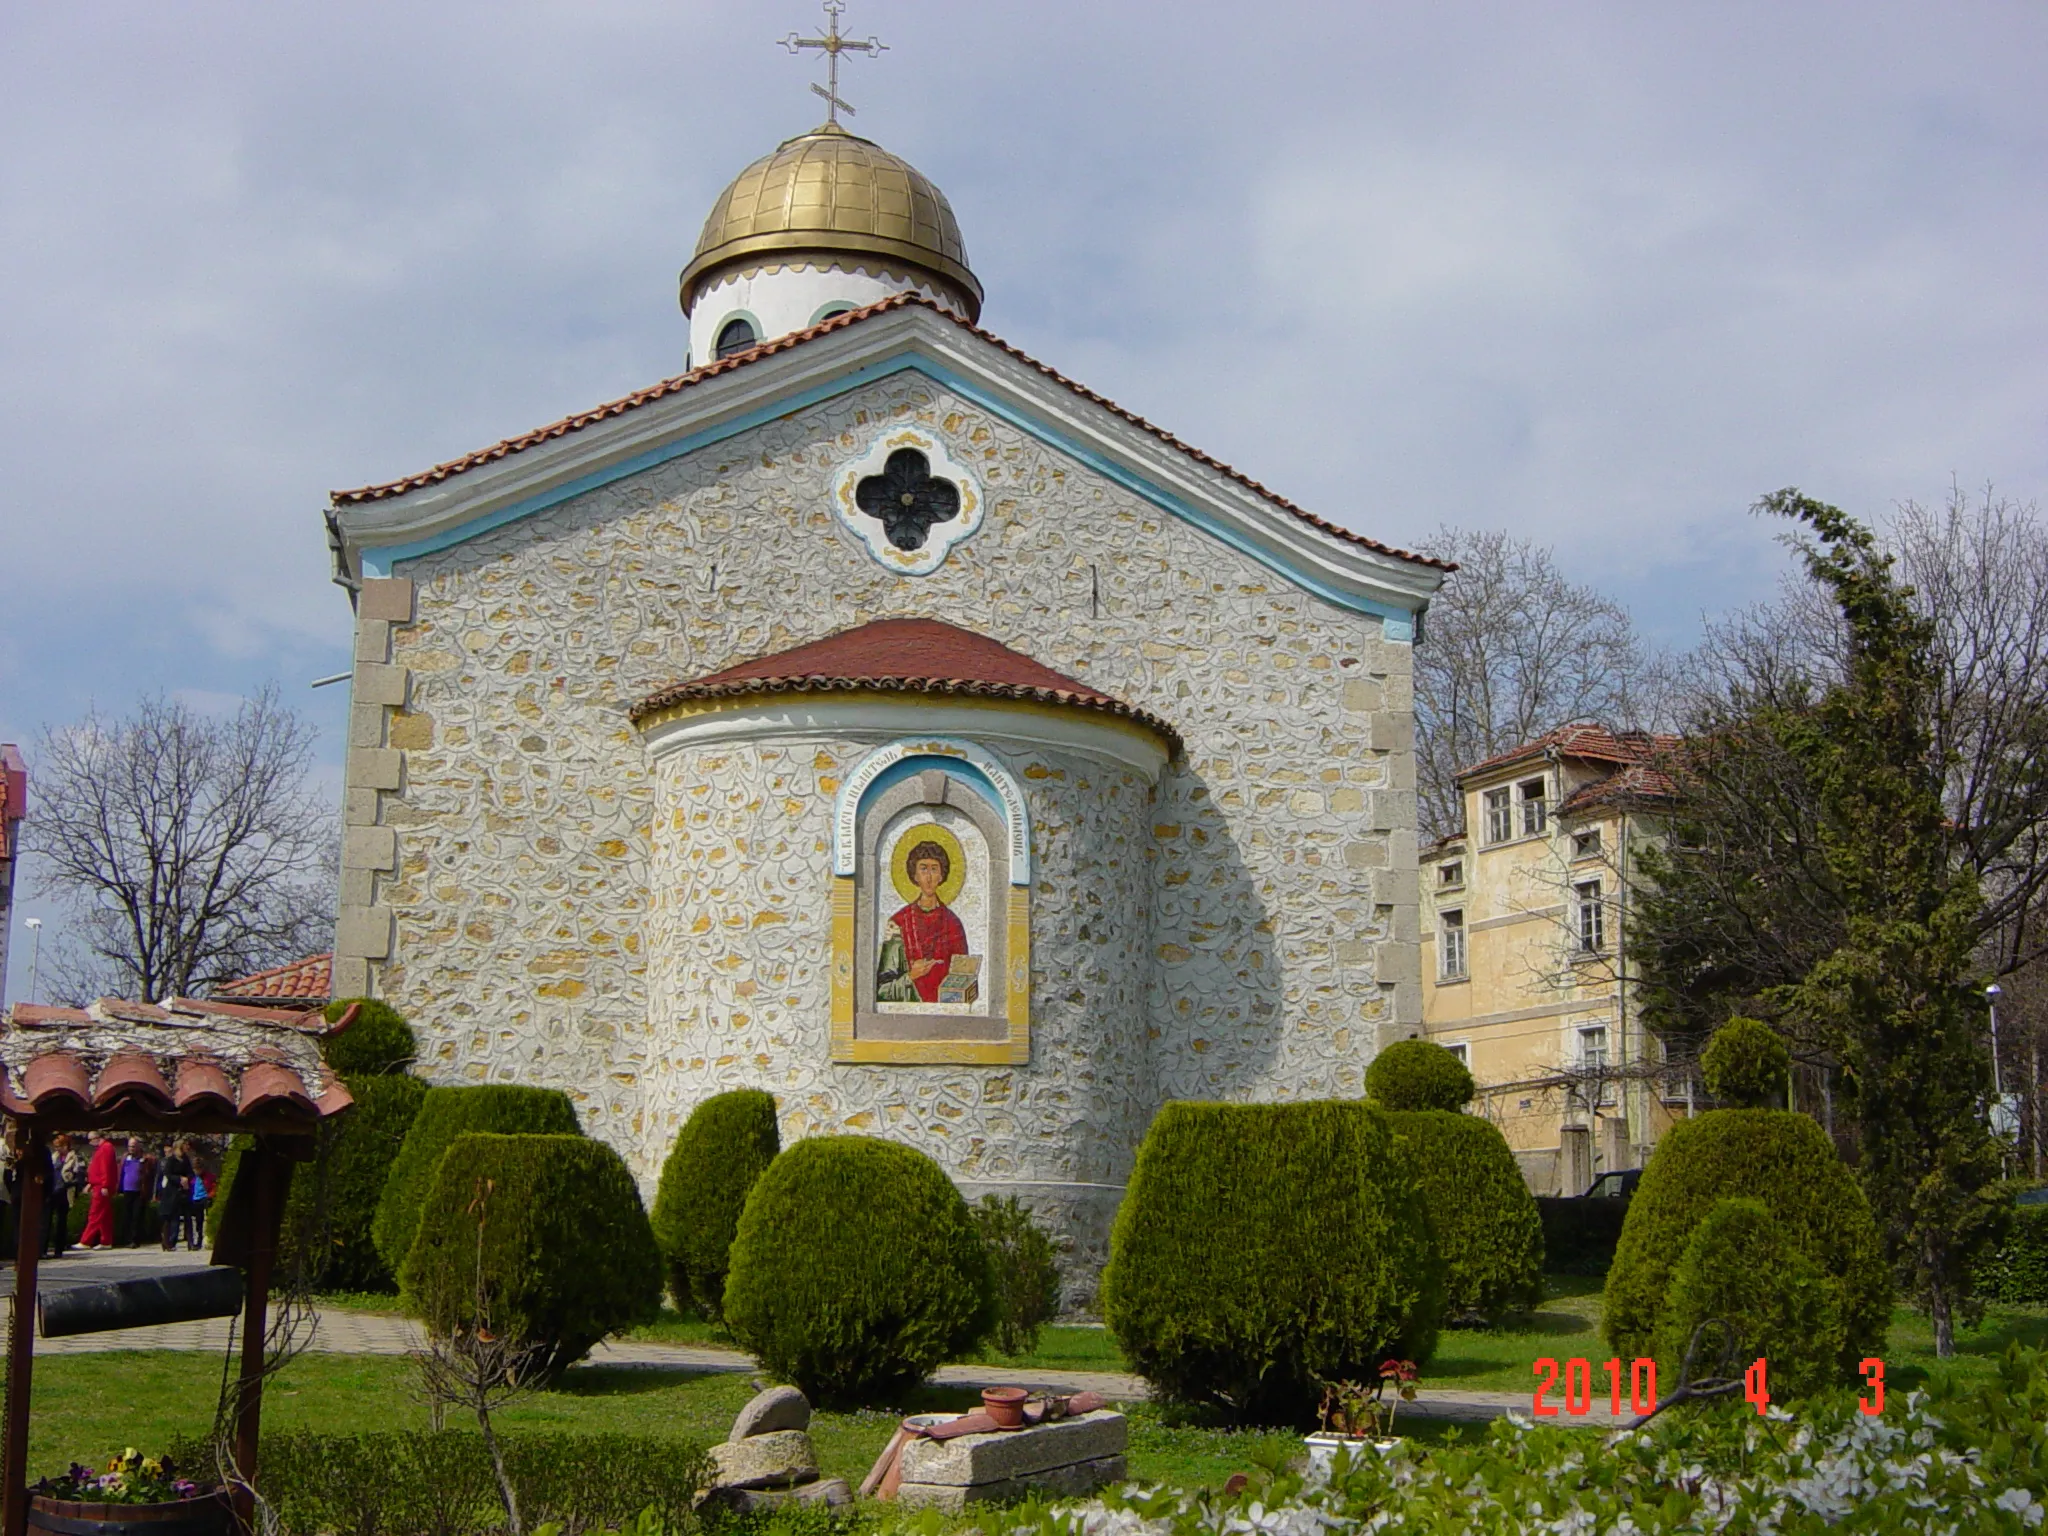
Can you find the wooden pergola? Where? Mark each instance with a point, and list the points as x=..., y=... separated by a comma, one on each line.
x=182, y=1067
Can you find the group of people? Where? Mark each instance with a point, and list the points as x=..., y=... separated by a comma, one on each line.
x=125, y=1185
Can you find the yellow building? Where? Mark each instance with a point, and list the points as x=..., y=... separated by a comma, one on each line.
x=1525, y=974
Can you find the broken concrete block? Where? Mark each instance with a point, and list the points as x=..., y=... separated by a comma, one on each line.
x=1006, y=1454
x=1072, y=1481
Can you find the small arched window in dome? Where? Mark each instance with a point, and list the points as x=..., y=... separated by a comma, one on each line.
x=736, y=335
x=836, y=307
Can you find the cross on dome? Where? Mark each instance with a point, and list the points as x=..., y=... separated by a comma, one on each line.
x=832, y=44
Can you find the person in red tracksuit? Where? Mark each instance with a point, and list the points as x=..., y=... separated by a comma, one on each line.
x=103, y=1182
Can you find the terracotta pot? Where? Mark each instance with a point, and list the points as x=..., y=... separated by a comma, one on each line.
x=1005, y=1405
x=207, y=1515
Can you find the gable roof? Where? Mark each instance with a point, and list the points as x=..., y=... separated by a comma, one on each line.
x=902, y=656
x=363, y=495
x=1581, y=739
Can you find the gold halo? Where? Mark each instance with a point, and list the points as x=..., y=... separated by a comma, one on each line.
x=899, y=861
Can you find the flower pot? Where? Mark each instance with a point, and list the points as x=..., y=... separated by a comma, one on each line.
x=207, y=1515
x=1322, y=1451
x=1005, y=1405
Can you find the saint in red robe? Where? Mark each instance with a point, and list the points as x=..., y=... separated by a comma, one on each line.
x=933, y=935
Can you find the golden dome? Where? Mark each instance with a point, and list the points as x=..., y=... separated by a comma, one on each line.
x=831, y=194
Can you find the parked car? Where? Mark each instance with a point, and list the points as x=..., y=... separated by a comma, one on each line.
x=1618, y=1185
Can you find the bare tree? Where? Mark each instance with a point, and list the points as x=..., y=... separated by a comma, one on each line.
x=1513, y=648
x=469, y=1365
x=190, y=850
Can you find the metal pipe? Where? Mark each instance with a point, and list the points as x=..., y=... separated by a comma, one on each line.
x=179, y=1298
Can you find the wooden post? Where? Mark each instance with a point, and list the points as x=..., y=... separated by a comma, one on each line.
x=21, y=1343
x=262, y=1163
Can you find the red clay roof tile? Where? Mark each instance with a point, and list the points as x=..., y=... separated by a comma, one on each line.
x=303, y=983
x=682, y=381
x=1580, y=739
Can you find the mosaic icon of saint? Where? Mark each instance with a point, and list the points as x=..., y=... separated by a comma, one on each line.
x=922, y=938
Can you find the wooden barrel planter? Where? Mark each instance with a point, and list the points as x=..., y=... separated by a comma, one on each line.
x=207, y=1515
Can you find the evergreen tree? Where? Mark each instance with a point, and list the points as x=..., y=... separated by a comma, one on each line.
x=1896, y=999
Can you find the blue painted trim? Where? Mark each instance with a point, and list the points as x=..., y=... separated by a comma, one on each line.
x=960, y=768
x=379, y=561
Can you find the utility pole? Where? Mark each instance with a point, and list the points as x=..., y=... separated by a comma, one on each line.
x=35, y=955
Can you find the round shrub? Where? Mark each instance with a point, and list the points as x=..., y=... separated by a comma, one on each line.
x=1024, y=1275
x=1746, y=1064
x=856, y=1269
x=1740, y=1268
x=445, y=1114
x=565, y=1253
x=1772, y=1155
x=1261, y=1248
x=377, y=1040
x=333, y=1199
x=1489, y=1232
x=1418, y=1074
x=722, y=1148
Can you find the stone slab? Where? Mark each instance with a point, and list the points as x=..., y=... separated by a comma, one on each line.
x=1082, y=1477
x=826, y=1492
x=769, y=1410
x=774, y=1460
x=1005, y=1455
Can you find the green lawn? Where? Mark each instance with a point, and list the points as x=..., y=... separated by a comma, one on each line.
x=87, y=1407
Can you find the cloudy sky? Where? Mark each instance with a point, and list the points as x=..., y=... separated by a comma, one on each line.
x=1598, y=273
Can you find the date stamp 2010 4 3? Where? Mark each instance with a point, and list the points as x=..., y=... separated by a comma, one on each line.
x=1641, y=1381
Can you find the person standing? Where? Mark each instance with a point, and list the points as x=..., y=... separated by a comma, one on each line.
x=195, y=1208
x=173, y=1192
x=103, y=1186
x=134, y=1193
x=56, y=1200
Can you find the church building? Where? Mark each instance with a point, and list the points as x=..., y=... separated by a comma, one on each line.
x=872, y=714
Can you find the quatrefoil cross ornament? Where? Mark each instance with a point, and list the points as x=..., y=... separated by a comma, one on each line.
x=908, y=498
x=907, y=501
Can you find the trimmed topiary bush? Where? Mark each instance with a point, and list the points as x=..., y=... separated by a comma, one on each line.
x=856, y=1269
x=1746, y=1064
x=722, y=1148
x=1417, y=1074
x=1261, y=1248
x=445, y=1114
x=1740, y=1268
x=1489, y=1233
x=334, y=1198
x=377, y=1040
x=567, y=1256
x=1772, y=1155
x=1024, y=1275
x=2018, y=1270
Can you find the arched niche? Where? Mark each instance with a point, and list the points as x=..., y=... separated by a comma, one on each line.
x=969, y=921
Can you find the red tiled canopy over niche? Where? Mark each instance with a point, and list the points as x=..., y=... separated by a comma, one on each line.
x=903, y=656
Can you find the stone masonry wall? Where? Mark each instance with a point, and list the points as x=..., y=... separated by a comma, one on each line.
x=523, y=892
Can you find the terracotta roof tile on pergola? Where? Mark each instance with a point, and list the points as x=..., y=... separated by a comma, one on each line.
x=903, y=656
x=306, y=983
x=178, y=1067
x=183, y=1066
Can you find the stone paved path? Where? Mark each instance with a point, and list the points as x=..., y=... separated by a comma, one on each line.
x=374, y=1333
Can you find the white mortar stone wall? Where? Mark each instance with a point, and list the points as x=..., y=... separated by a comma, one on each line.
x=525, y=944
